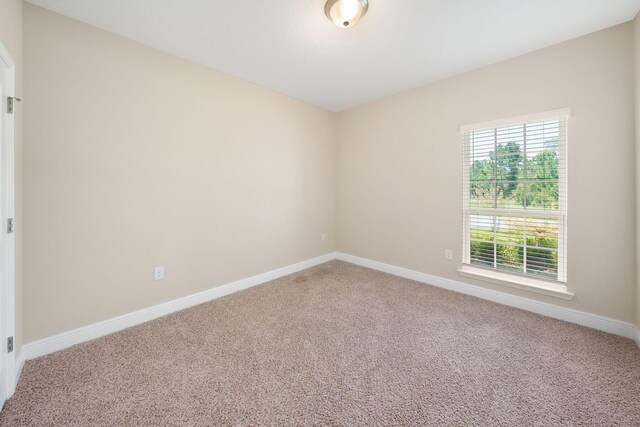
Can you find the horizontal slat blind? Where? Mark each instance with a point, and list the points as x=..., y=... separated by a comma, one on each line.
x=515, y=198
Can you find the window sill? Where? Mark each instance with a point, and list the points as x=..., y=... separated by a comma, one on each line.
x=518, y=282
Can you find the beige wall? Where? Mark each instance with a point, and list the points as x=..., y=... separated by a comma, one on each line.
x=400, y=165
x=11, y=38
x=135, y=159
x=636, y=70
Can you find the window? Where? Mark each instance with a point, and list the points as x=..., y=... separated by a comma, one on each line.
x=515, y=196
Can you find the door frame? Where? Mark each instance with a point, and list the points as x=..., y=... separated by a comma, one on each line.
x=7, y=187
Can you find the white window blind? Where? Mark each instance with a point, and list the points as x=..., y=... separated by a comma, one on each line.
x=515, y=196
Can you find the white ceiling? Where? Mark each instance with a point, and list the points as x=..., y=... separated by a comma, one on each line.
x=291, y=47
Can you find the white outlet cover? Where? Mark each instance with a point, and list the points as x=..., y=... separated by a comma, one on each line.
x=158, y=273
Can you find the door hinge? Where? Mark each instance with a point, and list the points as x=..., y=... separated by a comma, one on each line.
x=9, y=225
x=9, y=344
x=11, y=100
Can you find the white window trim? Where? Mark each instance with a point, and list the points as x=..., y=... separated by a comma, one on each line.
x=527, y=118
x=552, y=288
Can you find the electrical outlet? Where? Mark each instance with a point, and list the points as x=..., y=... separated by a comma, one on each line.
x=158, y=273
x=323, y=237
x=448, y=254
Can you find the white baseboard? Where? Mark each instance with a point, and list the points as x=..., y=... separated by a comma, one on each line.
x=86, y=333
x=19, y=365
x=594, y=321
x=637, y=336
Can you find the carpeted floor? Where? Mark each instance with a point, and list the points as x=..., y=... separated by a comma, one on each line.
x=338, y=345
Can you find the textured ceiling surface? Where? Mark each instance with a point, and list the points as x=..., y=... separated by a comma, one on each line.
x=291, y=47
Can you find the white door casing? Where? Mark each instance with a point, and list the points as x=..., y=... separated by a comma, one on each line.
x=7, y=239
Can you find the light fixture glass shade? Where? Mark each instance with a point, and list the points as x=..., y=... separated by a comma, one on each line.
x=345, y=13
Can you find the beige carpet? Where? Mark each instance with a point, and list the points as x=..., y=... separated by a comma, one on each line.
x=338, y=345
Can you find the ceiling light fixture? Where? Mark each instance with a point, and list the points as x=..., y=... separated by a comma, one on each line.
x=345, y=13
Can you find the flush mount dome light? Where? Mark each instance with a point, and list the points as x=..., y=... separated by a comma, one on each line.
x=346, y=13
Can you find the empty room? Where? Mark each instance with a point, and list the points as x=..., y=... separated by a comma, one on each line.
x=320, y=212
